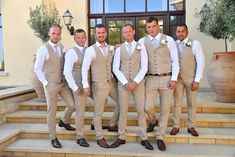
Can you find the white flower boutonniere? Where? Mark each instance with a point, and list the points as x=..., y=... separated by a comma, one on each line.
x=163, y=42
x=138, y=47
x=111, y=48
x=188, y=44
x=64, y=50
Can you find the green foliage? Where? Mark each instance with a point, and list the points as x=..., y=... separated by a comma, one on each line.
x=42, y=18
x=220, y=19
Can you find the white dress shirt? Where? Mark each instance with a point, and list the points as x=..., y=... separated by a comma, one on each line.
x=173, y=53
x=70, y=58
x=41, y=57
x=144, y=64
x=199, y=56
x=90, y=55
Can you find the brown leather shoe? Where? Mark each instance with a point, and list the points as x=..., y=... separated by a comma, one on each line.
x=113, y=128
x=174, y=131
x=103, y=127
x=103, y=143
x=150, y=127
x=117, y=143
x=161, y=145
x=192, y=131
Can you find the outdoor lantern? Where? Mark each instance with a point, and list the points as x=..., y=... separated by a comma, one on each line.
x=205, y=10
x=68, y=21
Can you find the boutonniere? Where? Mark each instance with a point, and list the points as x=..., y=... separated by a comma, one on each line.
x=111, y=48
x=138, y=47
x=63, y=50
x=163, y=42
x=188, y=44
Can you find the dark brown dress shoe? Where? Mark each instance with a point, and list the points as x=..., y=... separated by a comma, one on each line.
x=174, y=131
x=192, y=131
x=113, y=128
x=66, y=126
x=150, y=127
x=55, y=143
x=117, y=143
x=93, y=127
x=147, y=144
x=103, y=143
x=82, y=142
x=161, y=145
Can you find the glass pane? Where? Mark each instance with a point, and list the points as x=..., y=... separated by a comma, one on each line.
x=98, y=21
x=173, y=20
x=114, y=6
x=92, y=23
x=130, y=22
x=135, y=5
x=112, y=24
x=160, y=22
x=142, y=32
x=172, y=31
x=92, y=36
x=142, y=22
x=176, y=4
x=157, y=5
x=120, y=23
x=96, y=6
x=161, y=29
x=114, y=36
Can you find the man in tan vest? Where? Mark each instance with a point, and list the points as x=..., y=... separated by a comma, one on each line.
x=73, y=75
x=98, y=58
x=191, y=59
x=49, y=69
x=130, y=66
x=163, y=68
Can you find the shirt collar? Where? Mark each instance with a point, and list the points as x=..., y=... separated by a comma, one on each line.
x=52, y=44
x=98, y=44
x=132, y=43
x=157, y=37
x=184, y=41
x=79, y=47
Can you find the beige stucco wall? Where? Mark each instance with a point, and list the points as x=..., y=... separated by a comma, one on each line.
x=20, y=43
x=209, y=44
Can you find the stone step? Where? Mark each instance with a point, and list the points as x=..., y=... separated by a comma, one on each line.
x=42, y=147
x=203, y=119
x=201, y=108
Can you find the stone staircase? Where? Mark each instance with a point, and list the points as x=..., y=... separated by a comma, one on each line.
x=25, y=133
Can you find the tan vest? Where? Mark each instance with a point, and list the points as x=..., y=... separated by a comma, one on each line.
x=101, y=66
x=158, y=58
x=54, y=65
x=130, y=65
x=77, y=66
x=187, y=62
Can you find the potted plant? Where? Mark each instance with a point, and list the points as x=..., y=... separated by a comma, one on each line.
x=218, y=21
x=40, y=20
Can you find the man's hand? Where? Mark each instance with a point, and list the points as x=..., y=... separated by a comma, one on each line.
x=133, y=86
x=172, y=84
x=87, y=91
x=79, y=91
x=194, y=86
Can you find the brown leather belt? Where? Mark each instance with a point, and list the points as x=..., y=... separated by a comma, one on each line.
x=162, y=74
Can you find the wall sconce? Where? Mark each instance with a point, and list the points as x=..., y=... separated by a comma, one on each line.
x=205, y=10
x=68, y=21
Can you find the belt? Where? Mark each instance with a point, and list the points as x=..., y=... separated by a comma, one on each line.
x=162, y=74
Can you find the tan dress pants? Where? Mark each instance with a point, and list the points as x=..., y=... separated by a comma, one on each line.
x=52, y=90
x=124, y=98
x=158, y=85
x=178, y=102
x=101, y=91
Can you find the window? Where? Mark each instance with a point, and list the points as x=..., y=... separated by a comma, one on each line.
x=114, y=13
x=1, y=45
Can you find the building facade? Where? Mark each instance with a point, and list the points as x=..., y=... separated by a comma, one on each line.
x=18, y=44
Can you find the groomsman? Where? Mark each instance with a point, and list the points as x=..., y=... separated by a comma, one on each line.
x=49, y=69
x=192, y=61
x=98, y=58
x=73, y=75
x=130, y=66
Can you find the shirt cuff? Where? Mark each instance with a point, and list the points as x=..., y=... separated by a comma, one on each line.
x=85, y=85
x=197, y=79
x=174, y=78
x=136, y=80
x=124, y=82
x=45, y=83
x=74, y=88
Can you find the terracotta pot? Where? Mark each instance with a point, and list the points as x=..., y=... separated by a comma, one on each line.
x=221, y=76
x=37, y=85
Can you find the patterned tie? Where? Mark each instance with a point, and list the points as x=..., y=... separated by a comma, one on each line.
x=105, y=53
x=154, y=42
x=129, y=49
x=57, y=50
x=181, y=46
